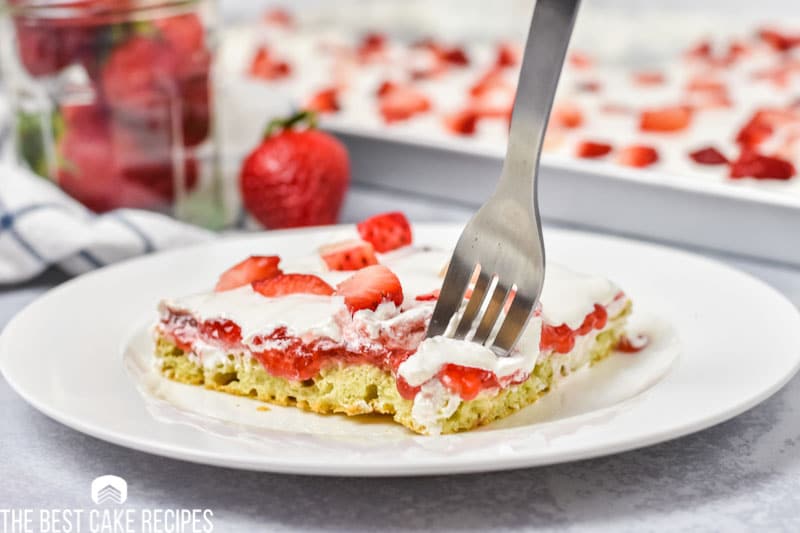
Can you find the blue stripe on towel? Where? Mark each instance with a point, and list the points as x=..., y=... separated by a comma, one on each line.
x=148, y=244
x=89, y=258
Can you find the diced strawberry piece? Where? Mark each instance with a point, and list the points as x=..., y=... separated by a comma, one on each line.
x=589, y=86
x=638, y=156
x=508, y=55
x=754, y=132
x=278, y=17
x=779, y=41
x=649, y=78
x=751, y=164
x=254, y=268
x=264, y=66
x=369, y=287
x=462, y=122
x=372, y=45
x=762, y=125
x=706, y=84
x=567, y=115
x=708, y=156
x=591, y=150
x=632, y=345
x=666, y=119
x=386, y=232
x=580, y=61
x=221, y=330
x=348, y=255
x=401, y=102
x=428, y=296
x=324, y=101
x=493, y=79
x=701, y=50
x=465, y=381
x=454, y=56
x=284, y=284
x=780, y=76
x=386, y=87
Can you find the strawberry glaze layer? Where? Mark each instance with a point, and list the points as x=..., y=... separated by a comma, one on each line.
x=385, y=338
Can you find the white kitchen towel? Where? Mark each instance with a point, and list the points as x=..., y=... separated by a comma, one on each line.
x=40, y=226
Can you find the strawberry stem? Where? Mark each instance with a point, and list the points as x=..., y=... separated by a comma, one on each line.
x=309, y=118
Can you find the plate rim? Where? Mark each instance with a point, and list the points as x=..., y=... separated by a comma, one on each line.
x=461, y=465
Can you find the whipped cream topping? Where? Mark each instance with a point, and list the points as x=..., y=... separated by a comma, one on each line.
x=302, y=314
x=436, y=352
x=567, y=296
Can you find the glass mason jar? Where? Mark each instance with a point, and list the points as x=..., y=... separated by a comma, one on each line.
x=112, y=100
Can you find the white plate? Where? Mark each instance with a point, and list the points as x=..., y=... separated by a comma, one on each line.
x=740, y=343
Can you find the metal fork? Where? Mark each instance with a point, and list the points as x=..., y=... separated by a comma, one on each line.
x=500, y=254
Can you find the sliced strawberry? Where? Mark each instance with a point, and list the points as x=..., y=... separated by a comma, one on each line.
x=508, y=55
x=708, y=156
x=266, y=67
x=763, y=124
x=348, y=255
x=488, y=82
x=324, y=101
x=754, y=132
x=780, y=42
x=706, y=85
x=428, y=296
x=278, y=17
x=292, y=284
x=649, y=78
x=591, y=149
x=401, y=102
x=255, y=267
x=372, y=46
x=638, y=156
x=369, y=287
x=580, y=61
x=665, y=119
x=462, y=122
x=632, y=345
x=387, y=231
x=567, y=115
x=589, y=86
x=751, y=164
x=386, y=87
x=701, y=50
x=454, y=56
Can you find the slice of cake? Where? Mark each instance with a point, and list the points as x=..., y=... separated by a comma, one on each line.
x=353, y=340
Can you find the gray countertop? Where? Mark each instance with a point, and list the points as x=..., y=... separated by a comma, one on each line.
x=741, y=475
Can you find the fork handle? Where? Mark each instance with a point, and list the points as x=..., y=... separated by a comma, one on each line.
x=545, y=49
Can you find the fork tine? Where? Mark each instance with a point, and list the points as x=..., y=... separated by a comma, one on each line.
x=514, y=323
x=450, y=297
x=479, y=292
x=492, y=313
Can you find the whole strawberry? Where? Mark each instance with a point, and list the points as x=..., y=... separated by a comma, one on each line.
x=295, y=177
